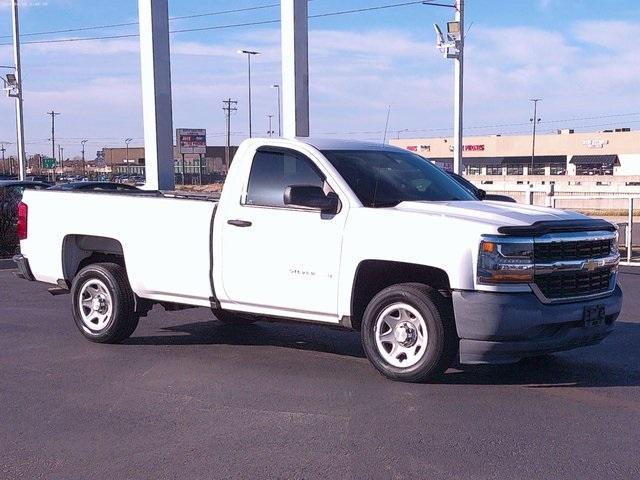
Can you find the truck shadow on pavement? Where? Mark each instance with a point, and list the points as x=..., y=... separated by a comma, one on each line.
x=286, y=335
x=615, y=363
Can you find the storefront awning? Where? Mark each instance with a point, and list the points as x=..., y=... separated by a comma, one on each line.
x=483, y=161
x=595, y=160
x=539, y=160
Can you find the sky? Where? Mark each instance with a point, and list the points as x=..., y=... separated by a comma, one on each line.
x=580, y=56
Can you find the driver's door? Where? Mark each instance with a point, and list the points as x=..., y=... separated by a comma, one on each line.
x=280, y=256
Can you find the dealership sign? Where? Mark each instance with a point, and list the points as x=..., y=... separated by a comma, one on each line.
x=191, y=140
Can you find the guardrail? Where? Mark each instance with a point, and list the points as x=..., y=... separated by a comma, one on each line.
x=628, y=225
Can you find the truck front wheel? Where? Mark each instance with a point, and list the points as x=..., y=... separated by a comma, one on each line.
x=103, y=303
x=408, y=333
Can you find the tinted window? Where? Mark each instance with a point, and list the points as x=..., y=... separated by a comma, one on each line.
x=273, y=171
x=386, y=178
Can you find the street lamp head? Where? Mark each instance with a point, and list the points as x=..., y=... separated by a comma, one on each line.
x=12, y=81
x=275, y=85
x=248, y=52
x=453, y=30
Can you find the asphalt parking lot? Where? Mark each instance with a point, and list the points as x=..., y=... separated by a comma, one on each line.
x=188, y=398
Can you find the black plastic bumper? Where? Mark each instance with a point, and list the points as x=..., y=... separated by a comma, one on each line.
x=24, y=271
x=506, y=327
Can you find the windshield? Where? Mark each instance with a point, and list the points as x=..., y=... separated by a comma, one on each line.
x=387, y=178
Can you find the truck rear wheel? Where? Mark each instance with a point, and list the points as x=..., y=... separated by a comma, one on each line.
x=103, y=303
x=408, y=333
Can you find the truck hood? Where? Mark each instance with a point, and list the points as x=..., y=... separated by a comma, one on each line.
x=496, y=214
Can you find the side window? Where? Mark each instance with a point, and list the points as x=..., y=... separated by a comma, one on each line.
x=273, y=171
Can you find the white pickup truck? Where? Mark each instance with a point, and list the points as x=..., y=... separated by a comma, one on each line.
x=349, y=234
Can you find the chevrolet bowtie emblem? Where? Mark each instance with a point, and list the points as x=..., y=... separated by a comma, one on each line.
x=591, y=265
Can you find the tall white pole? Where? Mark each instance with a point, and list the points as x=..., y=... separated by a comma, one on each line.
x=19, y=113
x=459, y=79
x=156, y=94
x=295, y=68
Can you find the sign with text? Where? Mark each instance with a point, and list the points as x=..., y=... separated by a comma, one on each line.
x=191, y=140
x=474, y=148
x=48, y=162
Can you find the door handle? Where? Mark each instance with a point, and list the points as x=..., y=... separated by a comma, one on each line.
x=239, y=223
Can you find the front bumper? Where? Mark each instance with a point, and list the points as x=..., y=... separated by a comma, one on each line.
x=24, y=270
x=506, y=327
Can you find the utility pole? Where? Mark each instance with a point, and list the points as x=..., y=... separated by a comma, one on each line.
x=19, y=109
x=535, y=121
x=53, y=132
x=229, y=107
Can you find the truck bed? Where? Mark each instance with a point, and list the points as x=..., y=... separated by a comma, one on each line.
x=165, y=238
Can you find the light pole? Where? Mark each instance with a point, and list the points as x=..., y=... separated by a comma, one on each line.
x=84, y=165
x=535, y=121
x=13, y=86
x=453, y=48
x=127, y=141
x=249, y=54
x=270, y=132
x=277, y=87
x=401, y=131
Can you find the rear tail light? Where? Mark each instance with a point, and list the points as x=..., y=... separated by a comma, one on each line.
x=21, y=227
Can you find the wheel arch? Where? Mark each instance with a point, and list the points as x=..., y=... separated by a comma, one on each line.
x=78, y=251
x=372, y=276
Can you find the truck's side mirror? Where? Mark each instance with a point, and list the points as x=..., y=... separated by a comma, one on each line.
x=481, y=194
x=310, y=196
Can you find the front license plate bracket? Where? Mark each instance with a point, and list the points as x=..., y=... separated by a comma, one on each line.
x=593, y=316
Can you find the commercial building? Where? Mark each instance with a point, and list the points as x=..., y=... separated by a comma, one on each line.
x=566, y=153
x=131, y=161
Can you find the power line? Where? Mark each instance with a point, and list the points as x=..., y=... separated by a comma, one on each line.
x=501, y=125
x=129, y=24
x=220, y=27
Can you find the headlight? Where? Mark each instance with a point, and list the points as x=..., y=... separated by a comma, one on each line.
x=614, y=243
x=505, y=260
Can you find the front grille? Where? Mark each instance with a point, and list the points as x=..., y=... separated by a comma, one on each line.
x=571, y=250
x=573, y=284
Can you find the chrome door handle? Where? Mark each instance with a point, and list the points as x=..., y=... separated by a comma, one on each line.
x=239, y=223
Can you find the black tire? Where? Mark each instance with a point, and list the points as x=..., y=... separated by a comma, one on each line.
x=122, y=319
x=442, y=340
x=229, y=317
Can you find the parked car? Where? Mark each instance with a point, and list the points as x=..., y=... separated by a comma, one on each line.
x=94, y=186
x=342, y=233
x=10, y=196
x=479, y=193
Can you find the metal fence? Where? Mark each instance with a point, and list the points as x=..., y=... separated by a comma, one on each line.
x=626, y=228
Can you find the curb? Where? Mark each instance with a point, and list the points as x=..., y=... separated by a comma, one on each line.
x=7, y=264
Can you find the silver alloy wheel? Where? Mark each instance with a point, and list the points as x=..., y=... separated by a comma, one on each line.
x=96, y=305
x=401, y=335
